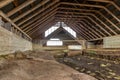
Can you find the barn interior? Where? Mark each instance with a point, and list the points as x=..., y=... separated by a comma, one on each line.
x=81, y=35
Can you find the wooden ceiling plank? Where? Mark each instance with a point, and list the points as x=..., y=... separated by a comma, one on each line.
x=43, y=9
x=91, y=29
x=84, y=30
x=95, y=30
x=94, y=21
x=44, y=28
x=40, y=20
x=31, y=10
x=95, y=12
x=105, y=24
x=39, y=25
x=5, y=16
x=83, y=35
x=76, y=26
x=90, y=5
x=92, y=26
x=109, y=21
x=16, y=5
x=5, y=2
x=107, y=1
x=34, y=28
x=96, y=24
x=28, y=2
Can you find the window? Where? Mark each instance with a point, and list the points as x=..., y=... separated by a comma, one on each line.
x=75, y=47
x=50, y=30
x=54, y=42
x=70, y=31
x=56, y=26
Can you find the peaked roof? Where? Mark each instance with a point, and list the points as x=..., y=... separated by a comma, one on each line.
x=91, y=19
x=58, y=32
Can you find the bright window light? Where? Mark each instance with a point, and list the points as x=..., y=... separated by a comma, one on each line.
x=70, y=31
x=54, y=42
x=75, y=47
x=50, y=30
x=56, y=26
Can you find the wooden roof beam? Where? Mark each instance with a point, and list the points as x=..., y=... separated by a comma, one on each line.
x=73, y=27
x=91, y=25
x=91, y=30
x=85, y=31
x=44, y=28
x=97, y=12
x=31, y=10
x=75, y=24
x=96, y=21
x=16, y=5
x=99, y=25
x=5, y=2
x=43, y=9
x=107, y=1
x=5, y=17
x=90, y=5
x=32, y=29
x=37, y=28
x=41, y=20
x=28, y=2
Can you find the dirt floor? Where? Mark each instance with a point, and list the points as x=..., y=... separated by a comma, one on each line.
x=101, y=69
x=36, y=66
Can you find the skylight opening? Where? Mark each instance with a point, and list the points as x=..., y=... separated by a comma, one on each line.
x=50, y=30
x=56, y=26
x=54, y=42
x=73, y=33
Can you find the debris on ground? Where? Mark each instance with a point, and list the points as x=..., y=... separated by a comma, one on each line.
x=36, y=65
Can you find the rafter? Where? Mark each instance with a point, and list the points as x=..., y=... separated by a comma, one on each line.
x=44, y=28
x=90, y=5
x=5, y=16
x=16, y=5
x=75, y=28
x=5, y=2
x=43, y=9
x=28, y=2
x=96, y=24
x=37, y=23
x=37, y=28
x=91, y=25
x=28, y=12
x=80, y=29
x=97, y=12
x=92, y=30
x=94, y=17
x=107, y=1
x=84, y=30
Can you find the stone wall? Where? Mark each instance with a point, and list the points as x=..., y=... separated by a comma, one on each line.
x=91, y=45
x=111, y=42
x=37, y=46
x=9, y=42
